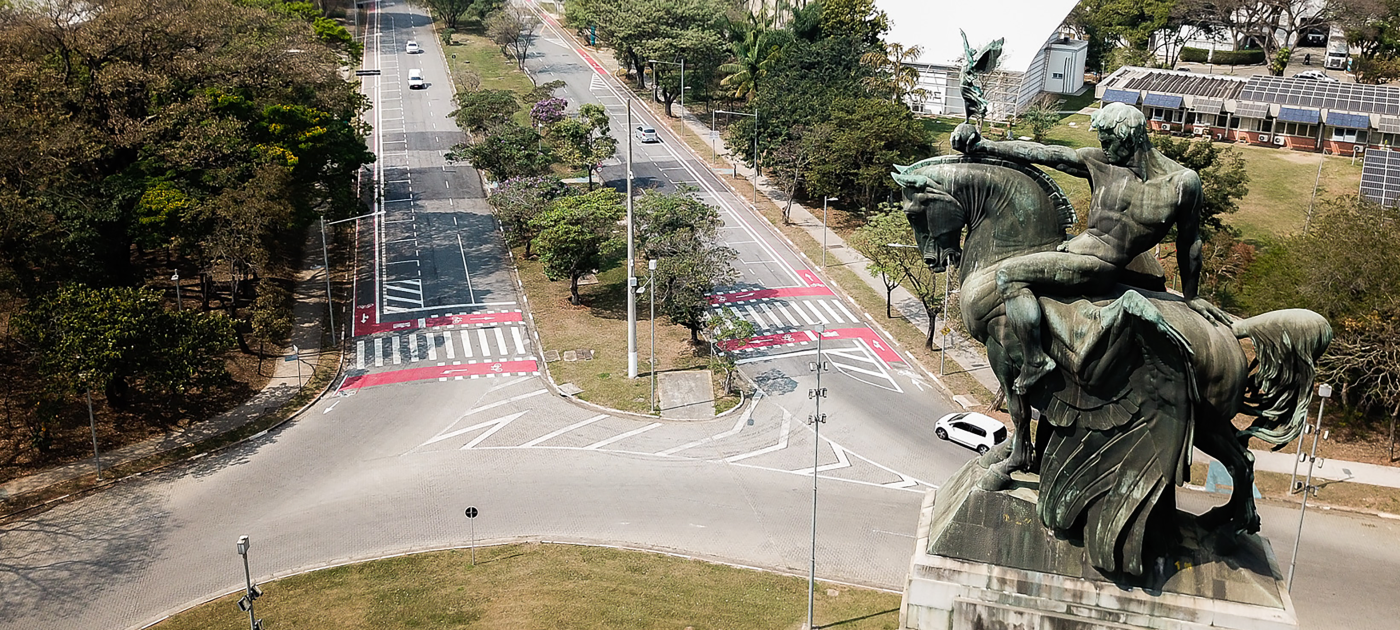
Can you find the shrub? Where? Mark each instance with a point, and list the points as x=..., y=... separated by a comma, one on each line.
x=1238, y=57
x=1195, y=55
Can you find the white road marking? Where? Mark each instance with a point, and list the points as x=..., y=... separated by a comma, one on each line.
x=803, y=313
x=431, y=340
x=519, y=343
x=379, y=352
x=769, y=314
x=506, y=401
x=394, y=350
x=782, y=442
x=826, y=304
x=841, y=461
x=448, y=346
x=783, y=309
x=412, y=348
x=738, y=426
x=501, y=341
x=466, y=343
x=753, y=316
x=620, y=437
x=360, y=354
x=554, y=434
x=481, y=337
x=816, y=311
x=843, y=310
x=499, y=422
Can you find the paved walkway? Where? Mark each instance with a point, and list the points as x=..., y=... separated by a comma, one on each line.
x=967, y=356
x=285, y=382
x=686, y=395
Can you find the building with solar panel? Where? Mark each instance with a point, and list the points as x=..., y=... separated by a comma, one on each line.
x=1296, y=113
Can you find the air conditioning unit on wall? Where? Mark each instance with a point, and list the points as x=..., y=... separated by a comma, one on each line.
x=1278, y=140
x=1201, y=131
x=1219, y=136
x=1166, y=127
x=1263, y=138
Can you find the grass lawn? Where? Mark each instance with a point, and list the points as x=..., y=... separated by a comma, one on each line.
x=600, y=325
x=474, y=53
x=545, y=586
x=1333, y=493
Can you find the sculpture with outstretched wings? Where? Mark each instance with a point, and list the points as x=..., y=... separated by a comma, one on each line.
x=977, y=62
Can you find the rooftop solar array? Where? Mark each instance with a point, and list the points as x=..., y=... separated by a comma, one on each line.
x=1389, y=124
x=1209, y=86
x=1380, y=176
x=1252, y=110
x=1293, y=114
x=1207, y=106
x=1372, y=99
x=1349, y=121
x=1169, y=101
x=1120, y=96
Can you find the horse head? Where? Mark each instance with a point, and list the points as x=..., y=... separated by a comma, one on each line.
x=1021, y=207
x=936, y=216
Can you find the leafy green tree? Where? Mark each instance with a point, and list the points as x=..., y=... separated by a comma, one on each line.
x=755, y=46
x=584, y=141
x=887, y=241
x=577, y=234
x=893, y=73
x=1041, y=120
x=728, y=332
x=858, y=19
x=507, y=150
x=115, y=339
x=1224, y=180
x=453, y=12
x=863, y=140
x=1374, y=27
x=518, y=201
x=699, y=42
x=512, y=27
x=681, y=233
x=479, y=110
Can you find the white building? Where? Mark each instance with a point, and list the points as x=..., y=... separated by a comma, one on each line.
x=1036, y=58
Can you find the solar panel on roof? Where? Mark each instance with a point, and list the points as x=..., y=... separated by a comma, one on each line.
x=1380, y=176
x=1252, y=110
x=1293, y=114
x=1348, y=121
x=1322, y=94
x=1169, y=101
x=1389, y=124
x=1207, y=106
x=1120, y=96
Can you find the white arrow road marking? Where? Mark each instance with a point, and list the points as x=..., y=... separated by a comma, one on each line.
x=738, y=426
x=841, y=461
x=547, y=437
x=618, y=438
x=328, y=409
x=782, y=442
x=506, y=401
x=498, y=422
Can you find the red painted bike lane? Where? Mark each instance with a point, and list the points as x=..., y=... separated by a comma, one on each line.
x=368, y=326
x=442, y=373
x=877, y=344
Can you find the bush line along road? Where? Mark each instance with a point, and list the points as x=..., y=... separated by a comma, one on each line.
x=390, y=468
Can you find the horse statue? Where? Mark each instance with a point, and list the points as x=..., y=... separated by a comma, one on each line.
x=1140, y=376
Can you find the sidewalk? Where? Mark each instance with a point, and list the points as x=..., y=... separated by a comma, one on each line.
x=308, y=312
x=969, y=356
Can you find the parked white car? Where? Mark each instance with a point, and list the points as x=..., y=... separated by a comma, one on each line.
x=646, y=134
x=415, y=79
x=970, y=429
x=413, y=48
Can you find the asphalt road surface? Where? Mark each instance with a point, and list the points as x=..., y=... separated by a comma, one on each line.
x=446, y=411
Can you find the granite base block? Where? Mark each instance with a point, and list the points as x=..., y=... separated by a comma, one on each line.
x=962, y=578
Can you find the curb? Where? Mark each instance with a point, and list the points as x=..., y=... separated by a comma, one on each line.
x=497, y=542
x=339, y=372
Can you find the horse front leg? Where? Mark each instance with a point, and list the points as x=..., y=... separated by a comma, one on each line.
x=1018, y=456
x=1238, y=516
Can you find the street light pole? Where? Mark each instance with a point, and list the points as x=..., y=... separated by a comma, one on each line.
x=252, y=592
x=651, y=280
x=179, y=304
x=825, y=199
x=631, y=261
x=1324, y=391
x=92, y=423
x=816, y=420
x=943, y=345
x=658, y=83
x=326, y=265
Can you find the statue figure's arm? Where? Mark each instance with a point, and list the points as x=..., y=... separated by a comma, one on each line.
x=1188, y=247
x=968, y=140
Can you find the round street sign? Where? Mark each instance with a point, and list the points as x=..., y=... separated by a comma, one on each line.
x=471, y=512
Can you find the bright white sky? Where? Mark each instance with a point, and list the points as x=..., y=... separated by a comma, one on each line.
x=934, y=24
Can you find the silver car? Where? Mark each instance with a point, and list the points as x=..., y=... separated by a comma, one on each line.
x=646, y=134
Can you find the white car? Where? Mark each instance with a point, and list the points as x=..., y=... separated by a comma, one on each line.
x=415, y=79
x=970, y=429
x=646, y=134
x=413, y=48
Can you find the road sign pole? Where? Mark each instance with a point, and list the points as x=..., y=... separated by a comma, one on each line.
x=471, y=516
x=631, y=260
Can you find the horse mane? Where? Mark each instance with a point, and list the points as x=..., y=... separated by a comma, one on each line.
x=1052, y=189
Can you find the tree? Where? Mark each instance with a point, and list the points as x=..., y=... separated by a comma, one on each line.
x=479, y=110
x=893, y=74
x=1374, y=27
x=681, y=233
x=1224, y=180
x=857, y=19
x=518, y=201
x=1041, y=120
x=787, y=165
x=887, y=241
x=507, y=150
x=699, y=43
x=1279, y=63
x=755, y=46
x=577, y=234
x=513, y=27
x=584, y=141
x=861, y=143
x=114, y=339
x=451, y=12
x=728, y=332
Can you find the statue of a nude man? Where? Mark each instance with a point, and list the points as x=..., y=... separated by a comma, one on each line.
x=1138, y=196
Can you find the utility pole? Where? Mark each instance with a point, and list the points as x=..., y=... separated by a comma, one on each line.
x=656, y=82
x=1324, y=391
x=943, y=347
x=651, y=280
x=326, y=265
x=631, y=261
x=179, y=304
x=92, y=423
x=252, y=592
x=816, y=420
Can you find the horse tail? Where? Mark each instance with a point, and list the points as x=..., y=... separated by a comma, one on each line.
x=1287, y=345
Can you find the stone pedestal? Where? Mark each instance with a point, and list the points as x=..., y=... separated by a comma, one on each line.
x=983, y=561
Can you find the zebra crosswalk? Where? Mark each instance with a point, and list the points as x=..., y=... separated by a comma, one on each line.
x=469, y=344
x=782, y=314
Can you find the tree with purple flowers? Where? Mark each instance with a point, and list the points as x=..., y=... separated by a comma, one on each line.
x=548, y=112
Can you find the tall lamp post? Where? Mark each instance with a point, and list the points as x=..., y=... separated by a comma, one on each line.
x=651, y=281
x=754, y=115
x=681, y=63
x=1324, y=391
x=631, y=261
x=825, y=199
x=252, y=592
x=179, y=303
x=816, y=420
